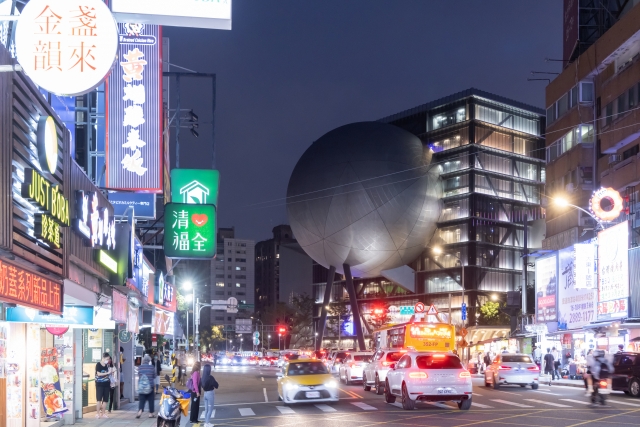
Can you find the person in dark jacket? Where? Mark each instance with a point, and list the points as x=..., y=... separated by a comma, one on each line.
x=158, y=365
x=209, y=384
x=549, y=367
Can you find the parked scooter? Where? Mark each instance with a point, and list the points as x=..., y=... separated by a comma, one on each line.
x=173, y=404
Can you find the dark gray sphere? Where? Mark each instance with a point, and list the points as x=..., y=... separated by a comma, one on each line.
x=364, y=194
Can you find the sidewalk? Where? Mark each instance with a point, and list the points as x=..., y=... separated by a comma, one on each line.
x=126, y=415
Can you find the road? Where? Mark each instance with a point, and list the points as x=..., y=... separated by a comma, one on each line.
x=248, y=397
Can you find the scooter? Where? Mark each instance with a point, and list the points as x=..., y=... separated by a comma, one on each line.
x=173, y=404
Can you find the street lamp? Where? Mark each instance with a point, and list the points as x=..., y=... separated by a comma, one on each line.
x=563, y=203
x=269, y=343
x=188, y=298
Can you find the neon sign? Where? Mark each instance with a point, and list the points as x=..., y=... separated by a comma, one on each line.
x=429, y=331
x=606, y=204
x=93, y=222
x=48, y=143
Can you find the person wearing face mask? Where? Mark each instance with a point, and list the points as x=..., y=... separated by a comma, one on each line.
x=103, y=385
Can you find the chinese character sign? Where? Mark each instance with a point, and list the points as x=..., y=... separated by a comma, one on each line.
x=613, y=271
x=546, y=287
x=134, y=90
x=576, y=306
x=585, y=268
x=67, y=47
x=190, y=231
x=28, y=289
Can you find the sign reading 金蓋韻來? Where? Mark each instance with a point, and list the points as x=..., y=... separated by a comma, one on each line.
x=195, y=186
x=613, y=271
x=134, y=91
x=190, y=231
x=67, y=47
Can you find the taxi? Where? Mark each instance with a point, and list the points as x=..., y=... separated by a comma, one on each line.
x=306, y=380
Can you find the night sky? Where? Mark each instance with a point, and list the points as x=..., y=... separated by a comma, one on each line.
x=290, y=71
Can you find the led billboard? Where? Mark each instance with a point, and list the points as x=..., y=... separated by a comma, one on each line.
x=613, y=271
x=576, y=306
x=546, y=287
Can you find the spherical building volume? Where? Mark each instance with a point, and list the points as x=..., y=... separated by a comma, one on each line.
x=364, y=194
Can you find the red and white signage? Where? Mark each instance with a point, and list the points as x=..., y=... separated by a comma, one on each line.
x=418, y=308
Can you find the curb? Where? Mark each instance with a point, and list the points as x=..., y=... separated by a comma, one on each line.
x=577, y=383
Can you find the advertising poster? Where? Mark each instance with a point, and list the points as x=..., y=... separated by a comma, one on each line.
x=33, y=375
x=576, y=307
x=585, y=268
x=94, y=338
x=546, y=287
x=52, y=398
x=613, y=272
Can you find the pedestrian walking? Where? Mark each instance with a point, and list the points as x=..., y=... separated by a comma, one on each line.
x=146, y=379
x=548, y=365
x=215, y=360
x=193, y=385
x=102, y=385
x=209, y=384
x=113, y=382
x=158, y=366
x=182, y=363
x=122, y=360
x=588, y=379
x=556, y=362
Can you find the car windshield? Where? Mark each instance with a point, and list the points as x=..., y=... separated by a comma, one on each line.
x=361, y=357
x=341, y=356
x=395, y=356
x=515, y=358
x=438, y=361
x=306, y=368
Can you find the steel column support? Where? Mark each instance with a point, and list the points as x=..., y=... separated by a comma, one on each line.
x=325, y=303
x=355, y=311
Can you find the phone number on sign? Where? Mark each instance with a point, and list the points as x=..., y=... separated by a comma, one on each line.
x=581, y=316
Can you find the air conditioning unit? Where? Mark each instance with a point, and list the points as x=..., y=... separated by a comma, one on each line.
x=570, y=188
x=615, y=158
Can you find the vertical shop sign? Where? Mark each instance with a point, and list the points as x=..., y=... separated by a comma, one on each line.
x=585, y=266
x=132, y=320
x=134, y=158
x=119, y=307
x=613, y=271
x=576, y=307
x=52, y=398
x=546, y=286
x=190, y=231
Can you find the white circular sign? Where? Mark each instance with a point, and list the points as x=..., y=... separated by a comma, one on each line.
x=67, y=47
x=47, y=144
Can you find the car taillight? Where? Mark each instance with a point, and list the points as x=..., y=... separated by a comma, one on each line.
x=465, y=374
x=504, y=368
x=603, y=384
x=386, y=363
x=533, y=368
x=420, y=375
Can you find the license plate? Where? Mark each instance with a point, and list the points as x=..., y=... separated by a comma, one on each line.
x=445, y=391
x=313, y=394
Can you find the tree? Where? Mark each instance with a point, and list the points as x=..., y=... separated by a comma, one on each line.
x=213, y=338
x=339, y=313
x=491, y=314
x=301, y=321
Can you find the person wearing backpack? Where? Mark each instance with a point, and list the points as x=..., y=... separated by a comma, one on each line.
x=209, y=384
x=193, y=385
x=601, y=370
x=146, y=380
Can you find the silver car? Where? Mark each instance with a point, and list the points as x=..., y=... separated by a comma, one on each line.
x=512, y=369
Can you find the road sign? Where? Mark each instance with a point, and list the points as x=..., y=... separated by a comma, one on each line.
x=464, y=311
x=463, y=332
x=432, y=310
x=419, y=307
x=256, y=334
x=256, y=341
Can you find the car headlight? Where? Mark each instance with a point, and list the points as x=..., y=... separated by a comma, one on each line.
x=290, y=386
x=331, y=384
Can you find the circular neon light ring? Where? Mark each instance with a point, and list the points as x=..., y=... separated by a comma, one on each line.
x=606, y=197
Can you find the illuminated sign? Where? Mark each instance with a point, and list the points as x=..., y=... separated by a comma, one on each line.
x=195, y=186
x=49, y=198
x=47, y=143
x=181, y=13
x=107, y=261
x=67, y=47
x=613, y=271
x=119, y=307
x=429, y=331
x=22, y=287
x=162, y=322
x=576, y=307
x=606, y=204
x=585, y=267
x=71, y=315
x=190, y=231
x=143, y=203
x=163, y=292
x=134, y=157
x=546, y=289
x=93, y=222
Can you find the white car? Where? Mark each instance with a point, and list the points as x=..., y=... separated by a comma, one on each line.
x=512, y=369
x=429, y=377
x=337, y=361
x=376, y=370
x=353, y=366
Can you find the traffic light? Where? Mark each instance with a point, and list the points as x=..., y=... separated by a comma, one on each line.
x=282, y=330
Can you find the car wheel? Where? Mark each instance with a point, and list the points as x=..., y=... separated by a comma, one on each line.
x=534, y=386
x=486, y=383
x=407, y=403
x=465, y=405
x=279, y=398
x=379, y=388
x=495, y=384
x=364, y=383
x=346, y=379
x=388, y=397
x=523, y=385
x=634, y=387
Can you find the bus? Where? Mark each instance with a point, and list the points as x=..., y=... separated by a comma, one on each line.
x=418, y=335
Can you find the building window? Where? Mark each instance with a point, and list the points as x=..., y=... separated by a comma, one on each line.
x=240, y=293
x=220, y=284
x=229, y=293
x=241, y=276
x=219, y=276
x=241, y=285
x=239, y=259
x=241, y=268
x=229, y=259
x=582, y=134
x=228, y=317
x=219, y=317
x=219, y=292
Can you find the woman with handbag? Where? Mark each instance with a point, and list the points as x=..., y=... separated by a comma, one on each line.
x=193, y=385
x=113, y=382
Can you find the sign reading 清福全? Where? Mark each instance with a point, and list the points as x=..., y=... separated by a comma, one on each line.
x=190, y=231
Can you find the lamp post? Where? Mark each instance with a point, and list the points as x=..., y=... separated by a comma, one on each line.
x=559, y=201
x=269, y=343
x=188, y=286
x=279, y=335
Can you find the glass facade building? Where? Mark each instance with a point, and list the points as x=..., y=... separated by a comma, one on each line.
x=491, y=155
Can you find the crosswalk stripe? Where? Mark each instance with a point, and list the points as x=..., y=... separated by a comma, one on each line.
x=547, y=392
x=325, y=408
x=439, y=405
x=476, y=394
x=623, y=403
x=246, y=412
x=285, y=410
x=506, y=402
x=213, y=414
x=480, y=405
x=558, y=405
x=364, y=406
x=582, y=402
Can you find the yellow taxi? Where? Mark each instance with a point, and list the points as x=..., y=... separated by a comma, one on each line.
x=306, y=380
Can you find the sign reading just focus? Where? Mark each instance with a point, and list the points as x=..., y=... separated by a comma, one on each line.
x=195, y=186
x=190, y=231
x=67, y=47
x=134, y=91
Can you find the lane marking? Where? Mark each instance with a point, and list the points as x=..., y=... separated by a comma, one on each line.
x=582, y=402
x=548, y=392
x=440, y=405
x=364, y=406
x=623, y=403
x=480, y=405
x=350, y=393
x=477, y=394
x=264, y=390
x=246, y=412
x=506, y=402
x=557, y=405
x=262, y=378
x=325, y=408
x=285, y=410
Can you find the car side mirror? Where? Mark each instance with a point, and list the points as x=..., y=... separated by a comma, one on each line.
x=393, y=366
